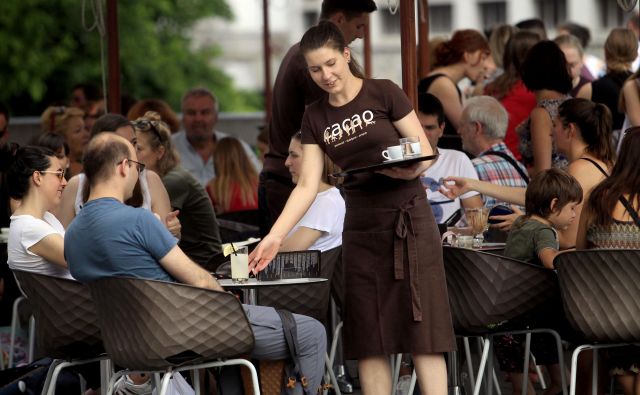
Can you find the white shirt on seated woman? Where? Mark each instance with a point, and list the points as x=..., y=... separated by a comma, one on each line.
x=36, y=237
x=321, y=227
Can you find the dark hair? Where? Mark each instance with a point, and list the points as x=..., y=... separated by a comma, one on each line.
x=535, y=25
x=25, y=161
x=545, y=67
x=462, y=41
x=514, y=55
x=624, y=179
x=101, y=155
x=326, y=34
x=91, y=91
x=109, y=123
x=548, y=185
x=582, y=33
x=595, y=122
x=428, y=104
x=52, y=141
x=350, y=8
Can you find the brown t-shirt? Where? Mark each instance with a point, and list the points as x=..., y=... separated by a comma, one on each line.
x=355, y=134
x=293, y=90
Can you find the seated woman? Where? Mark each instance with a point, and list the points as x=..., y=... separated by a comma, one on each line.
x=235, y=186
x=149, y=192
x=36, y=238
x=321, y=227
x=200, y=237
x=610, y=220
x=69, y=123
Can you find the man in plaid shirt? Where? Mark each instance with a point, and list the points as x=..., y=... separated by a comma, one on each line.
x=483, y=125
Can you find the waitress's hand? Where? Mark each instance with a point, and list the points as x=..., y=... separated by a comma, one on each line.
x=406, y=173
x=264, y=253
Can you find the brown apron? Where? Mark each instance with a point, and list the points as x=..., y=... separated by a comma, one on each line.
x=396, y=295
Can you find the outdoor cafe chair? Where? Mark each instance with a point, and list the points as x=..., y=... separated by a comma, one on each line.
x=66, y=322
x=166, y=327
x=488, y=292
x=600, y=291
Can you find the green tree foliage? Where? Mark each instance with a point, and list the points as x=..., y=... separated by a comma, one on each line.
x=44, y=50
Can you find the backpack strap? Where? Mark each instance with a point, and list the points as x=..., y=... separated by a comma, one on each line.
x=290, y=330
x=511, y=161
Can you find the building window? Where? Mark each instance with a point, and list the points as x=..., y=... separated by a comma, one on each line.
x=611, y=15
x=310, y=18
x=493, y=13
x=390, y=22
x=440, y=19
x=552, y=12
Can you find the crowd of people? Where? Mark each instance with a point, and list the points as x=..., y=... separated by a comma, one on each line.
x=546, y=132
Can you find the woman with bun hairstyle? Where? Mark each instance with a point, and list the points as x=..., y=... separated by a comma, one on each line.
x=200, y=238
x=545, y=73
x=464, y=55
x=69, y=123
x=36, y=237
x=395, y=289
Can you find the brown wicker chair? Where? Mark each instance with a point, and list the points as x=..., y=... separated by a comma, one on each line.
x=487, y=292
x=600, y=291
x=66, y=322
x=157, y=326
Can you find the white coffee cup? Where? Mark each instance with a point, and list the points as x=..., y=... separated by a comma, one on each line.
x=392, y=153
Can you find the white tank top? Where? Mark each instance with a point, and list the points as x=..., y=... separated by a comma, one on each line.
x=144, y=187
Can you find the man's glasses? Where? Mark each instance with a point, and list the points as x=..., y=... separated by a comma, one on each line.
x=59, y=173
x=145, y=125
x=139, y=166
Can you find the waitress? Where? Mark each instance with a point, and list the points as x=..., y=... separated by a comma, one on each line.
x=396, y=296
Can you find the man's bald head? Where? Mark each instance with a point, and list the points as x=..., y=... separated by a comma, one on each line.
x=102, y=154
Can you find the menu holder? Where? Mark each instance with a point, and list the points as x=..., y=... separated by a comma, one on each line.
x=384, y=165
x=295, y=264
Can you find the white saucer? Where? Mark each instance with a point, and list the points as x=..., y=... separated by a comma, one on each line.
x=392, y=160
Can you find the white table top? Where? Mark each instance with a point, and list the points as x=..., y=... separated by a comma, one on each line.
x=254, y=283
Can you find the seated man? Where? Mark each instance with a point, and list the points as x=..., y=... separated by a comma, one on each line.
x=483, y=125
x=108, y=238
x=449, y=162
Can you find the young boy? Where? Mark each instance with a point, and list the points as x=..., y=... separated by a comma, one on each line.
x=550, y=203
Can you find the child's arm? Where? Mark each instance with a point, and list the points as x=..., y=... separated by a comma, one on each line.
x=547, y=255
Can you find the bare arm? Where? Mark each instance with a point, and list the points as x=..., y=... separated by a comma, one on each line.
x=66, y=211
x=183, y=269
x=297, y=205
x=456, y=186
x=541, y=141
x=51, y=248
x=409, y=126
x=161, y=204
x=301, y=239
x=547, y=256
x=445, y=90
x=632, y=102
x=585, y=92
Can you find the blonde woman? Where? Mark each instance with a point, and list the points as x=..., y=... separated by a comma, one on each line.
x=235, y=186
x=69, y=123
x=200, y=238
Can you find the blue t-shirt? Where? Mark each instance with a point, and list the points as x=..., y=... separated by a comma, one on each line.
x=108, y=239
